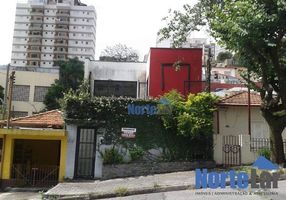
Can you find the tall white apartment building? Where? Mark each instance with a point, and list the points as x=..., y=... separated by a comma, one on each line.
x=50, y=30
x=47, y=31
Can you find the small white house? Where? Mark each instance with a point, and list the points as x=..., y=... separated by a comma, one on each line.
x=239, y=132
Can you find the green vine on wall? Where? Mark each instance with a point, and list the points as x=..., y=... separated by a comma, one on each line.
x=183, y=133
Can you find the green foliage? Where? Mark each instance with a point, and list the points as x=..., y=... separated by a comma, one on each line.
x=190, y=125
x=54, y=94
x=112, y=156
x=153, y=131
x=70, y=77
x=265, y=152
x=176, y=105
x=180, y=24
x=136, y=153
x=222, y=56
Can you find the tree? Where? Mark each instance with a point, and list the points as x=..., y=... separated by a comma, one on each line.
x=222, y=56
x=189, y=125
x=1, y=94
x=70, y=77
x=119, y=53
x=255, y=30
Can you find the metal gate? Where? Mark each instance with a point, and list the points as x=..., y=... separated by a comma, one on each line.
x=36, y=176
x=231, y=151
x=85, y=153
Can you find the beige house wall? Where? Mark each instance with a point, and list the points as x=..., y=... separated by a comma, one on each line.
x=233, y=120
x=32, y=79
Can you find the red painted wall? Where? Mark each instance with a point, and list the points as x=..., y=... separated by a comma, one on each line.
x=173, y=79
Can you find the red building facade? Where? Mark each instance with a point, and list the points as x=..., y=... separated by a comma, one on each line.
x=179, y=69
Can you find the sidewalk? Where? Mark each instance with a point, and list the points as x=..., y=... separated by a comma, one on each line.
x=119, y=187
x=126, y=186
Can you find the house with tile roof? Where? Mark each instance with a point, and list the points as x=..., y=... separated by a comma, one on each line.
x=240, y=130
x=33, y=150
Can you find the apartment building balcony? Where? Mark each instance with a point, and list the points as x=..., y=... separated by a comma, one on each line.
x=34, y=50
x=36, y=13
x=62, y=29
x=64, y=22
x=34, y=42
x=63, y=14
x=36, y=20
x=34, y=58
x=60, y=52
x=61, y=44
x=62, y=37
x=34, y=36
x=35, y=28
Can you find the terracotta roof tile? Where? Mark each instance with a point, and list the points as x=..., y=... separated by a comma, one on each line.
x=241, y=99
x=49, y=119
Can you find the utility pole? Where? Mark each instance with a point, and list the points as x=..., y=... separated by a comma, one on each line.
x=249, y=103
x=6, y=91
x=9, y=97
x=208, y=69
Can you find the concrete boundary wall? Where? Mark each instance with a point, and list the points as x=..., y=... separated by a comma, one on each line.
x=145, y=168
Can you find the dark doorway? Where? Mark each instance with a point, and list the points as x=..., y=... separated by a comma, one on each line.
x=85, y=153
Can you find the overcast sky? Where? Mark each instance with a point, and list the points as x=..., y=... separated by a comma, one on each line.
x=131, y=22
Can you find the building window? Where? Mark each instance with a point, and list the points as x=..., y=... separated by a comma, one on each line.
x=115, y=88
x=40, y=93
x=21, y=92
x=86, y=42
x=16, y=114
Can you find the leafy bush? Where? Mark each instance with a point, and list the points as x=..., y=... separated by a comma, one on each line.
x=112, y=156
x=265, y=152
x=190, y=126
x=136, y=153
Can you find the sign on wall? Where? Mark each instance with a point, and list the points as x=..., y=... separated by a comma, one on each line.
x=128, y=132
